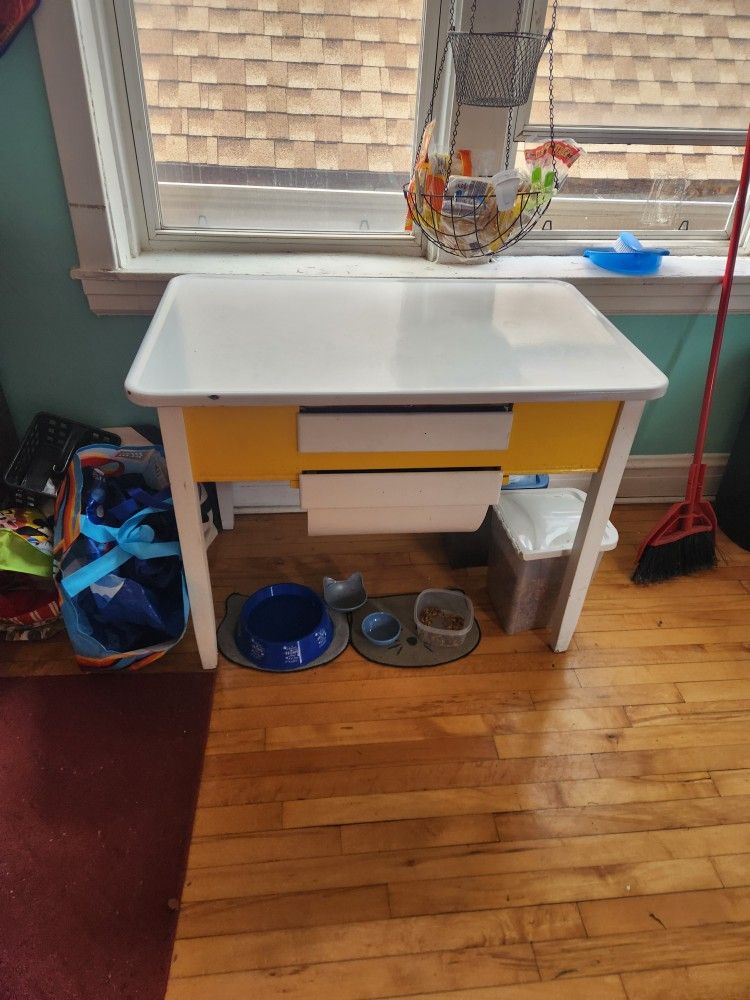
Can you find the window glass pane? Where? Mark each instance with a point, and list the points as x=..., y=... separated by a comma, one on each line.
x=642, y=188
x=665, y=64
x=291, y=116
x=649, y=64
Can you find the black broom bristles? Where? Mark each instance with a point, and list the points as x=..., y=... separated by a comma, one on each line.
x=687, y=555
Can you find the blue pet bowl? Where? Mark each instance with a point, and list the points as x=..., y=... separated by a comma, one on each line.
x=380, y=628
x=640, y=262
x=283, y=627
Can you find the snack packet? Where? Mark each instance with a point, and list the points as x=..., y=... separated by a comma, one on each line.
x=542, y=165
x=417, y=183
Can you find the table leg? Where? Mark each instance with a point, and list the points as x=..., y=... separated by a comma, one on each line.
x=188, y=514
x=597, y=509
x=225, y=495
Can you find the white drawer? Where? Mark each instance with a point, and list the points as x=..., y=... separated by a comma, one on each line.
x=381, y=502
x=404, y=430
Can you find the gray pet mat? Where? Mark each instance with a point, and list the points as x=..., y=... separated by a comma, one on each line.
x=228, y=646
x=409, y=651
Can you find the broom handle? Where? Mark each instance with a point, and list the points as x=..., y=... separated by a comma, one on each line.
x=726, y=290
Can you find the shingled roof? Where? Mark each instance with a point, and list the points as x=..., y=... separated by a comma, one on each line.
x=288, y=91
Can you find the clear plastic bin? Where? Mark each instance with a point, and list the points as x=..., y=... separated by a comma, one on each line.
x=532, y=533
x=448, y=602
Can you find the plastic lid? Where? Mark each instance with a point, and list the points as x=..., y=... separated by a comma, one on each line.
x=542, y=524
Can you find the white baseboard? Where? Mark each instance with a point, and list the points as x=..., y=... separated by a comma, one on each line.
x=647, y=479
x=655, y=478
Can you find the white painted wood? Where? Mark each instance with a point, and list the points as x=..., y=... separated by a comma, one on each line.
x=482, y=430
x=190, y=528
x=70, y=106
x=686, y=285
x=344, y=490
x=597, y=509
x=225, y=496
x=387, y=520
x=355, y=342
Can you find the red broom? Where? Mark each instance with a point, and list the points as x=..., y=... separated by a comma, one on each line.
x=684, y=541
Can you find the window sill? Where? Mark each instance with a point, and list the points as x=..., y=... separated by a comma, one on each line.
x=684, y=285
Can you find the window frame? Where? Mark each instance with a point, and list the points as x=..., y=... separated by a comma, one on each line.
x=123, y=265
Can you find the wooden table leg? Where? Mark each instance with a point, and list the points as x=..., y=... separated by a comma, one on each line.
x=597, y=509
x=188, y=514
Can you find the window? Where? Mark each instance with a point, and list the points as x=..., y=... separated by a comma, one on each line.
x=657, y=92
x=191, y=132
x=294, y=116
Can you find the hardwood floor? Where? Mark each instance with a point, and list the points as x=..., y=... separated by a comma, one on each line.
x=519, y=824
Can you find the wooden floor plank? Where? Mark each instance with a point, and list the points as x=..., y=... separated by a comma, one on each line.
x=315, y=759
x=647, y=737
x=717, y=981
x=721, y=758
x=733, y=869
x=282, y=910
x=403, y=835
x=734, y=782
x=320, y=713
x=695, y=666
x=668, y=911
x=367, y=979
x=384, y=778
x=655, y=949
x=499, y=798
x=210, y=852
x=596, y=988
x=377, y=938
x=350, y=733
x=450, y=895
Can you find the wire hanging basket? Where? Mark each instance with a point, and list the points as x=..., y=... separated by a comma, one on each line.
x=475, y=226
x=478, y=217
x=497, y=69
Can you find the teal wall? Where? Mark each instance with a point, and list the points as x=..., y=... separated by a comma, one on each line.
x=56, y=355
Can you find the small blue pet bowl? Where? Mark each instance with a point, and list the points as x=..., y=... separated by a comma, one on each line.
x=637, y=262
x=283, y=627
x=381, y=628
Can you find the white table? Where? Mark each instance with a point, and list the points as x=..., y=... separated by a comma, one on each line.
x=396, y=404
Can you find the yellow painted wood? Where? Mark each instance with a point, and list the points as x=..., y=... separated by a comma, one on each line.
x=260, y=443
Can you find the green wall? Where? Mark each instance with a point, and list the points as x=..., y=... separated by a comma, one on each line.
x=56, y=355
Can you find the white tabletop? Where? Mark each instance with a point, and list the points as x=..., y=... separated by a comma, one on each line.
x=218, y=341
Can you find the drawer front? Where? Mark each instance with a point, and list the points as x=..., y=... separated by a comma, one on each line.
x=393, y=520
x=399, y=489
x=400, y=431
x=260, y=443
x=373, y=502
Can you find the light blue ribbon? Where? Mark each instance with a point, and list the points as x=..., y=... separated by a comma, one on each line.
x=131, y=540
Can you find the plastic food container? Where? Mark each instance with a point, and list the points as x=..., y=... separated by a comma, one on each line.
x=449, y=606
x=532, y=533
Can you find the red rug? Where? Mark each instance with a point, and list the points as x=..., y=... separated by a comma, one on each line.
x=98, y=783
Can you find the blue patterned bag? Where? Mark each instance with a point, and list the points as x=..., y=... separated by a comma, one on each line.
x=118, y=567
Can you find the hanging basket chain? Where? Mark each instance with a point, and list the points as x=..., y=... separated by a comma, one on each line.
x=553, y=25
x=509, y=132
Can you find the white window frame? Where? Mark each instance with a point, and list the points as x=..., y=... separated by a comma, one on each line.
x=124, y=263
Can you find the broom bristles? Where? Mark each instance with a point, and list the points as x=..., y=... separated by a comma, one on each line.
x=690, y=554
